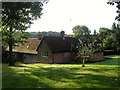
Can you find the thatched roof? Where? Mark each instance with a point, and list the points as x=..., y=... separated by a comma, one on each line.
x=61, y=44
x=56, y=44
x=30, y=46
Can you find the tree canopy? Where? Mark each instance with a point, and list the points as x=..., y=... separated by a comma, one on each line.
x=117, y=2
x=82, y=32
x=16, y=18
x=116, y=27
x=104, y=32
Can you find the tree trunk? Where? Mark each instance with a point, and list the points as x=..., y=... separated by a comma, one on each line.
x=11, y=61
x=83, y=62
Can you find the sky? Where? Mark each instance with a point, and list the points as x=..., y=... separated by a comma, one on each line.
x=63, y=15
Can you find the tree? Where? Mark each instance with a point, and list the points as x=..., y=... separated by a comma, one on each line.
x=17, y=17
x=112, y=2
x=116, y=33
x=82, y=32
x=115, y=27
x=104, y=32
x=84, y=52
x=109, y=42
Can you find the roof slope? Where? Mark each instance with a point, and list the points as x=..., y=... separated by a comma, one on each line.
x=30, y=46
x=61, y=44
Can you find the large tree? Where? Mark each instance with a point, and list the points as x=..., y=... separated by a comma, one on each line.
x=16, y=18
x=116, y=27
x=82, y=32
x=116, y=33
x=104, y=32
x=112, y=2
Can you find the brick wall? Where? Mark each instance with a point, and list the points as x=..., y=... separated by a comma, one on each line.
x=98, y=56
x=65, y=57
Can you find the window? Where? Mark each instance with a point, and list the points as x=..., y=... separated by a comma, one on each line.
x=45, y=53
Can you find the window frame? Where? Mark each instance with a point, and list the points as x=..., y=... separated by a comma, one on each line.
x=45, y=53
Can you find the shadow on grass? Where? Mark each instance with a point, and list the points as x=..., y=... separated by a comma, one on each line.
x=56, y=77
x=109, y=62
x=73, y=79
x=106, y=61
x=12, y=78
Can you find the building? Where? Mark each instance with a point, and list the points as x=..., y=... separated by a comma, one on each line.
x=50, y=49
x=57, y=49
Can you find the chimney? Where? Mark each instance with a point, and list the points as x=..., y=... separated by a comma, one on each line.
x=62, y=33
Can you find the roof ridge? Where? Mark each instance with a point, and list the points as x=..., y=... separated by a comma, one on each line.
x=32, y=38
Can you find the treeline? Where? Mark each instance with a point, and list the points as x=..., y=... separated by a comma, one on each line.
x=44, y=33
x=109, y=38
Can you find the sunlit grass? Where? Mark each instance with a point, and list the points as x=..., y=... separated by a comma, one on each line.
x=113, y=56
x=95, y=75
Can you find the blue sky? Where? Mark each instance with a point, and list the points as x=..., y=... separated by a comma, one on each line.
x=65, y=14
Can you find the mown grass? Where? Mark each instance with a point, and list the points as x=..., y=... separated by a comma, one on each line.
x=113, y=56
x=96, y=75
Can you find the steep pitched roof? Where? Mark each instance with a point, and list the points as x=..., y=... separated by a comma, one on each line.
x=56, y=44
x=61, y=44
x=30, y=46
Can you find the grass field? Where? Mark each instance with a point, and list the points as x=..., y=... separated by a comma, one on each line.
x=96, y=75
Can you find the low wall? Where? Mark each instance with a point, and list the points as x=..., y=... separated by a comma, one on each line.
x=27, y=58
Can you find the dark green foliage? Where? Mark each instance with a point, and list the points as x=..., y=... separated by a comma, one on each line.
x=109, y=43
x=118, y=6
x=108, y=38
x=16, y=18
x=116, y=33
x=19, y=15
x=82, y=32
x=104, y=32
x=116, y=27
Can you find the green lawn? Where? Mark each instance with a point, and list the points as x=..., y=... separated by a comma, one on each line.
x=112, y=56
x=96, y=75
